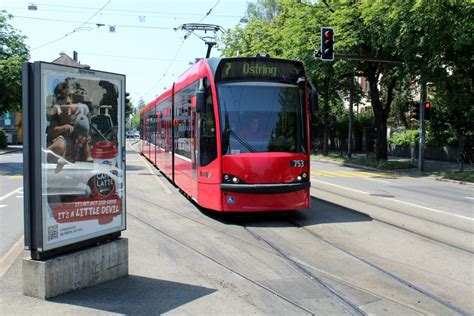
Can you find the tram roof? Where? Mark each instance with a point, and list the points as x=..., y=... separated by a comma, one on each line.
x=194, y=70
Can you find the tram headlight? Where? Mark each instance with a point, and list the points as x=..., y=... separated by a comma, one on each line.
x=303, y=177
x=230, y=178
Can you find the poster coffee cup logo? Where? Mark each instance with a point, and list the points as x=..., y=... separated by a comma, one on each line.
x=105, y=152
x=103, y=184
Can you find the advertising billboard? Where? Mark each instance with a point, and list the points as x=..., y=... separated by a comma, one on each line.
x=75, y=163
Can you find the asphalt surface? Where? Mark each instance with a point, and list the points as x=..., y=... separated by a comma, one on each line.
x=345, y=255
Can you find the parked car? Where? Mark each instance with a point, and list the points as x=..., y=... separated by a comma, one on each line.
x=65, y=178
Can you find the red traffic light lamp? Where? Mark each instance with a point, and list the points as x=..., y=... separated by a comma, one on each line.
x=427, y=110
x=327, y=44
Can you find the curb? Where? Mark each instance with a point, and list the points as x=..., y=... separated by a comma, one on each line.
x=8, y=151
x=395, y=171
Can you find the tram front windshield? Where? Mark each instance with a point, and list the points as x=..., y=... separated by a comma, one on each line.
x=262, y=117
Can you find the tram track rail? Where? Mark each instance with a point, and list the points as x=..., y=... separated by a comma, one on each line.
x=412, y=231
x=222, y=265
x=398, y=212
x=330, y=291
x=306, y=270
x=302, y=268
x=384, y=271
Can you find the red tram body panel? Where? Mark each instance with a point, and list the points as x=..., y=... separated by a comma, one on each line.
x=233, y=134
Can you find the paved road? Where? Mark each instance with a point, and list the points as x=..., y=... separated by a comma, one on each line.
x=341, y=256
x=412, y=191
x=11, y=200
x=442, y=211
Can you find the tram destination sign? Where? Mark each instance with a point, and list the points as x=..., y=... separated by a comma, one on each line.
x=261, y=69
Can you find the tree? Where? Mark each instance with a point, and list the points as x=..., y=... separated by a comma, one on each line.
x=136, y=114
x=13, y=52
x=287, y=29
x=423, y=40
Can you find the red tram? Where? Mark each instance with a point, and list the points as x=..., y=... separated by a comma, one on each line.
x=233, y=134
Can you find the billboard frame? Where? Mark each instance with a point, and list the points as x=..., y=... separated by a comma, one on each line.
x=33, y=122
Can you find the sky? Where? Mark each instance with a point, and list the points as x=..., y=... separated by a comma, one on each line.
x=145, y=47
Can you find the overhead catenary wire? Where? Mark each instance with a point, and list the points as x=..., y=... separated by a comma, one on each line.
x=75, y=29
x=95, y=24
x=134, y=13
x=178, y=50
x=166, y=72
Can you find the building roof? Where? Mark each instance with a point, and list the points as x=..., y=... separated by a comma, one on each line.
x=64, y=59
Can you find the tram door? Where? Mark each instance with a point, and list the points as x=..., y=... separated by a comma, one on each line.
x=185, y=140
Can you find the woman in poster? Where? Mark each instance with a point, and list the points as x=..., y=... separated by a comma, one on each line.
x=69, y=128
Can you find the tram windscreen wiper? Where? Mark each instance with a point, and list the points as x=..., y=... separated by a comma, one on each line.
x=242, y=141
x=228, y=131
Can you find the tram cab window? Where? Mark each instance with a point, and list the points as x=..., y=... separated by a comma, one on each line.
x=207, y=130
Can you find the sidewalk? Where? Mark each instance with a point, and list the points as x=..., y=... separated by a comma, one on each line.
x=10, y=148
x=431, y=166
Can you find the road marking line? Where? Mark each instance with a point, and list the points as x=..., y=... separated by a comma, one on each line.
x=340, y=186
x=15, y=177
x=168, y=191
x=8, y=259
x=378, y=180
x=470, y=198
x=321, y=174
x=432, y=209
x=2, y=206
x=339, y=174
x=11, y=193
x=399, y=201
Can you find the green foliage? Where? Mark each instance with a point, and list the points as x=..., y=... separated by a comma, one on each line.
x=136, y=120
x=367, y=161
x=463, y=176
x=3, y=139
x=408, y=138
x=434, y=39
x=13, y=52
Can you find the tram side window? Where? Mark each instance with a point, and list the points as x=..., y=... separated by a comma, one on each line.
x=184, y=130
x=207, y=131
x=149, y=126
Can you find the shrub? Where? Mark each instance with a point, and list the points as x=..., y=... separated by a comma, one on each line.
x=408, y=137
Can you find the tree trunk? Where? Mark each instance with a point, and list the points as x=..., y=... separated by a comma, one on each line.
x=380, y=112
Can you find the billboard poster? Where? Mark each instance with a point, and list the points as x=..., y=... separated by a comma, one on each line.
x=82, y=154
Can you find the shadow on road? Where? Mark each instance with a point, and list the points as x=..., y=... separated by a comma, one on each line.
x=135, y=295
x=11, y=168
x=320, y=212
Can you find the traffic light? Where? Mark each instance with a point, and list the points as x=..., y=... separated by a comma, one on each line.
x=414, y=111
x=327, y=43
x=427, y=110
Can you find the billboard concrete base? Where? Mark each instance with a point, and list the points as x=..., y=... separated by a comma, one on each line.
x=74, y=271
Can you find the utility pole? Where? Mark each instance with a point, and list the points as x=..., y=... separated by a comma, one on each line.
x=351, y=104
x=421, y=144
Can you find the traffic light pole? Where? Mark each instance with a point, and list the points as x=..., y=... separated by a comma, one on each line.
x=421, y=144
x=351, y=101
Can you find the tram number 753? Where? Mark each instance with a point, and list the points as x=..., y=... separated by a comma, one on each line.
x=297, y=163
